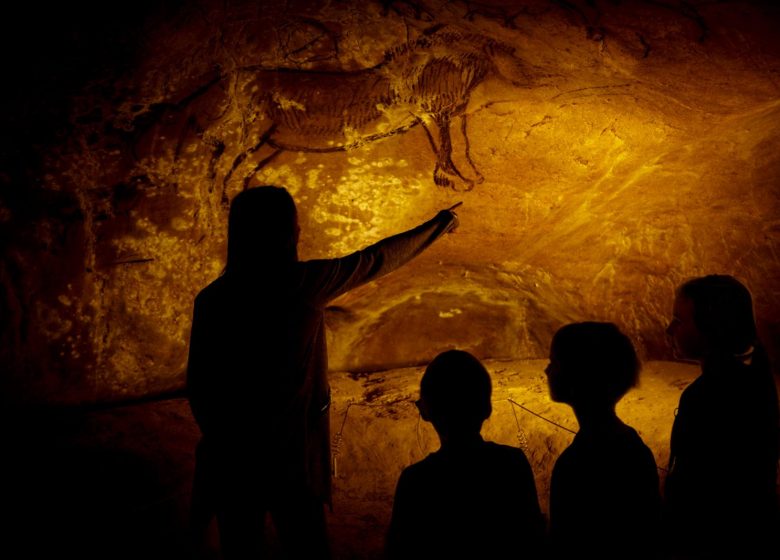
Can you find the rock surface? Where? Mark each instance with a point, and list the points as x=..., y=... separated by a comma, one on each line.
x=603, y=151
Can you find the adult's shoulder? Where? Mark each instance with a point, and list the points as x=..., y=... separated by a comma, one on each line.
x=310, y=278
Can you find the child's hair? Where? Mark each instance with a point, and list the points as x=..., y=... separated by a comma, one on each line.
x=722, y=311
x=455, y=391
x=596, y=362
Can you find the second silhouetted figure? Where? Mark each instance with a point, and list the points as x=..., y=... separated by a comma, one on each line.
x=604, y=493
x=472, y=498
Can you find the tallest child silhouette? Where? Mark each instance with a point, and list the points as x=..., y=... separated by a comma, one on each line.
x=257, y=374
x=721, y=496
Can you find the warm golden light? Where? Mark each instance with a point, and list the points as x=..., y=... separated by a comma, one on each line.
x=603, y=152
x=596, y=173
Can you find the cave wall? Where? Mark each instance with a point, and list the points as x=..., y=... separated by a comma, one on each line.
x=603, y=151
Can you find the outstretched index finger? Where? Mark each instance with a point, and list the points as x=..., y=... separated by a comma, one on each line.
x=454, y=206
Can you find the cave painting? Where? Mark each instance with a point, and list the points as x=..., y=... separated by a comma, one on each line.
x=427, y=82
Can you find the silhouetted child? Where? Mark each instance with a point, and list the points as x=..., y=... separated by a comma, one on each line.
x=720, y=492
x=257, y=375
x=604, y=492
x=471, y=498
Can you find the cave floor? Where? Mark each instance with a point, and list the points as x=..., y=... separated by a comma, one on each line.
x=114, y=482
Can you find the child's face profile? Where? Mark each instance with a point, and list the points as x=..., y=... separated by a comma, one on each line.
x=686, y=339
x=554, y=381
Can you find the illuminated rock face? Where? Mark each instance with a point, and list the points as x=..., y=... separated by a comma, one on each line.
x=602, y=154
x=377, y=431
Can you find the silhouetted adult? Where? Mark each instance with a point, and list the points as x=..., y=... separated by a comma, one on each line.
x=257, y=374
x=720, y=492
x=472, y=498
x=604, y=492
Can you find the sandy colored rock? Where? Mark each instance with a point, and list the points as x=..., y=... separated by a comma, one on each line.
x=603, y=152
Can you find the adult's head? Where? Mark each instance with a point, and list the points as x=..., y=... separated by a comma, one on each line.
x=262, y=229
x=455, y=393
x=712, y=315
x=591, y=364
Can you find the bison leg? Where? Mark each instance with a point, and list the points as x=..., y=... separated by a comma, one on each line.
x=480, y=178
x=443, y=153
x=439, y=178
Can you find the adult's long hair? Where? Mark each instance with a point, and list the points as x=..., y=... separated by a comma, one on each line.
x=262, y=231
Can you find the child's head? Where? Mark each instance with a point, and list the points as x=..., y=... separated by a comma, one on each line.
x=591, y=364
x=712, y=314
x=455, y=393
